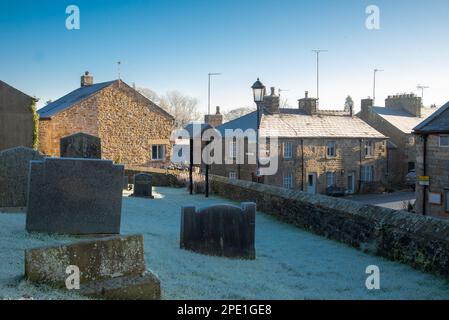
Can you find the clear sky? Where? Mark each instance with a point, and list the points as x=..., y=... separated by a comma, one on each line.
x=173, y=44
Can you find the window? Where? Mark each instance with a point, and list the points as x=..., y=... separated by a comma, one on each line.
x=331, y=149
x=369, y=149
x=158, y=152
x=331, y=179
x=444, y=141
x=233, y=175
x=288, y=181
x=288, y=150
x=367, y=174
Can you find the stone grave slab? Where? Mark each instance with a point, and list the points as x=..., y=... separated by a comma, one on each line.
x=74, y=196
x=14, y=171
x=220, y=230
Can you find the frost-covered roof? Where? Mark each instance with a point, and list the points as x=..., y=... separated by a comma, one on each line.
x=71, y=99
x=294, y=124
x=401, y=119
x=438, y=122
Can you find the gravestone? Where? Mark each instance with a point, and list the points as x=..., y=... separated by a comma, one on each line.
x=112, y=268
x=14, y=169
x=221, y=230
x=143, y=186
x=74, y=196
x=80, y=145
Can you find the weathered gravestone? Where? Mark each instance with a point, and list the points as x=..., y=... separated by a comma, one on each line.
x=221, y=230
x=14, y=169
x=143, y=186
x=112, y=268
x=74, y=196
x=80, y=145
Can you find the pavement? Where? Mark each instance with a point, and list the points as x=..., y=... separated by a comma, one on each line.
x=395, y=200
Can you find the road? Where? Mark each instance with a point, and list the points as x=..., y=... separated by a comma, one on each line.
x=395, y=200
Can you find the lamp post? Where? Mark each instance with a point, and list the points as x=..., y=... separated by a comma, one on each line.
x=317, y=52
x=374, y=86
x=259, y=94
x=208, y=90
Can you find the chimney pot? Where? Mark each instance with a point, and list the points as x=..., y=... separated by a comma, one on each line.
x=307, y=94
x=218, y=110
x=87, y=79
x=273, y=89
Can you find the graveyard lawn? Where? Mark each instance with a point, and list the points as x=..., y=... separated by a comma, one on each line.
x=290, y=263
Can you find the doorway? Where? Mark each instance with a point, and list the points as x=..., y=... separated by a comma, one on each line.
x=311, y=183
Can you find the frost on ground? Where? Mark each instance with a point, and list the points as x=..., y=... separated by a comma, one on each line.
x=290, y=263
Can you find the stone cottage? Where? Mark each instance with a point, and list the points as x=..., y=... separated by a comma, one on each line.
x=396, y=120
x=318, y=150
x=432, y=147
x=18, y=119
x=133, y=130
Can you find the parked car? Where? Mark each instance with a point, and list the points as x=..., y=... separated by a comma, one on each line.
x=335, y=191
x=410, y=180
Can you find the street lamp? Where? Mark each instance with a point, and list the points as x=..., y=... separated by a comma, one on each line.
x=208, y=91
x=259, y=94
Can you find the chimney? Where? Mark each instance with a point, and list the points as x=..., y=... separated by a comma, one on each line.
x=308, y=105
x=406, y=102
x=271, y=102
x=366, y=105
x=214, y=120
x=87, y=79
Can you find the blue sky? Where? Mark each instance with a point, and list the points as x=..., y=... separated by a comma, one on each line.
x=173, y=44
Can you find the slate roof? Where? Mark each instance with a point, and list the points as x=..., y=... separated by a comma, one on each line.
x=71, y=99
x=401, y=119
x=248, y=121
x=191, y=131
x=438, y=122
x=292, y=123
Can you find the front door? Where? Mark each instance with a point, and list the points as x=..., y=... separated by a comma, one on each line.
x=351, y=183
x=311, y=183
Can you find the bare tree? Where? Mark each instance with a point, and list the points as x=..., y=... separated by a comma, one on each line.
x=182, y=107
x=237, y=113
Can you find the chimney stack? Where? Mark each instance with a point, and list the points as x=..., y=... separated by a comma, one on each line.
x=308, y=105
x=271, y=102
x=214, y=120
x=87, y=79
x=367, y=105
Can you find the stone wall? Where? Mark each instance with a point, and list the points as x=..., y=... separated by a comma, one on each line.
x=438, y=171
x=422, y=242
x=16, y=118
x=405, y=151
x=161, y=178
x=80, y=118
x=309, y=156
x=127, y=124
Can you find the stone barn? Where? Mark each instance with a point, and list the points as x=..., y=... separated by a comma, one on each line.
x=17, y=118
x=133, y=130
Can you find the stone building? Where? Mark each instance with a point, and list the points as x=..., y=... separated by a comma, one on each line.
x=432, y=147
x=318, y=150
x=133, y=130
x=17, y=118
x=396, y=120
